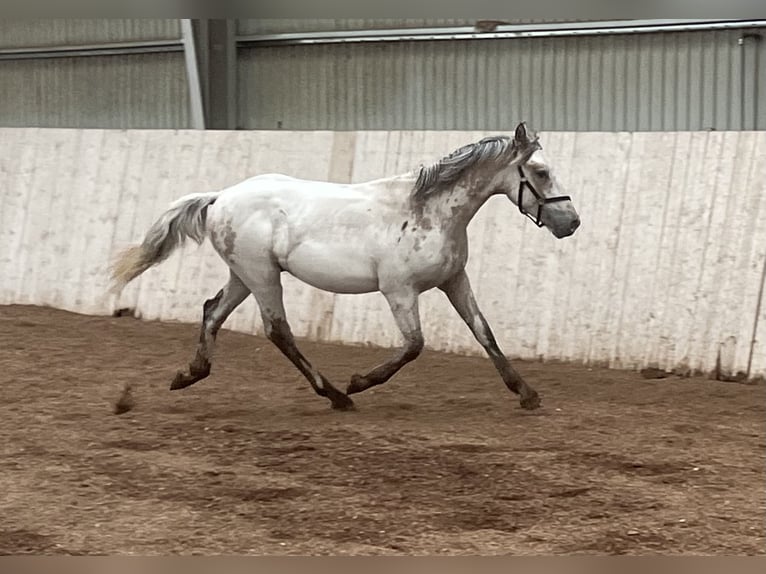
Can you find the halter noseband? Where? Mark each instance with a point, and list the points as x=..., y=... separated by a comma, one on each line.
x=540, y=200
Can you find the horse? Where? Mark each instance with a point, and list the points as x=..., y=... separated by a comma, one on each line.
x=399, y=236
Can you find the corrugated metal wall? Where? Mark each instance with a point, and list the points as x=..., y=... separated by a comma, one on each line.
x=673, y=81
x=666, y=268
x=678, y=81
x=137, y=91
x=147, y=90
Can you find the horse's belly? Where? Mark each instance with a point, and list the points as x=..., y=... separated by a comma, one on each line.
x=339, y=269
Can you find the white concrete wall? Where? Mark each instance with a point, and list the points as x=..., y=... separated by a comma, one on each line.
x=666, y=269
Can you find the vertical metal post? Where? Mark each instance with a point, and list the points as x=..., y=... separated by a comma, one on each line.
x=192, y=75
x=758, y=307
x=222, y=74
x=749, y=47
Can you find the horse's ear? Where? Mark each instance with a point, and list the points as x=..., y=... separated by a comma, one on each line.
x=521, y=137
x=523, y=144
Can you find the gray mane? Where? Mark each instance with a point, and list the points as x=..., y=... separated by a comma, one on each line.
x=449, y=169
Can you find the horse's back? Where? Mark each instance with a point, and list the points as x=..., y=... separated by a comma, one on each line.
x=285, y=187
x=306, y=206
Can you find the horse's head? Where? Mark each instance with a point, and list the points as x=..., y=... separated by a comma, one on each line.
x=537, y=193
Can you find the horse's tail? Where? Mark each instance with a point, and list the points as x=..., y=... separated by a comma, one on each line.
x=184, y=218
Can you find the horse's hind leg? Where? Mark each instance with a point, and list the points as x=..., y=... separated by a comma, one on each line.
x=267, y=289
x=215, y=312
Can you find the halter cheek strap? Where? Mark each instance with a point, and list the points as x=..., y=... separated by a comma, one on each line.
x=539, y=199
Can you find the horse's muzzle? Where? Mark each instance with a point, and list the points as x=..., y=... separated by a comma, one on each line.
x=563, y=231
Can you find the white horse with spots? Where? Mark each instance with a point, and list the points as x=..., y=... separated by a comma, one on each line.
x=401, y=236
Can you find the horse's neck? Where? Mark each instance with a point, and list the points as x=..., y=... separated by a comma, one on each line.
x=464, y=198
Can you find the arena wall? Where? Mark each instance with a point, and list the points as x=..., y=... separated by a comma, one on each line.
x=667, y=269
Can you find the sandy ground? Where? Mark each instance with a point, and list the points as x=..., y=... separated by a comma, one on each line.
x=439, y=461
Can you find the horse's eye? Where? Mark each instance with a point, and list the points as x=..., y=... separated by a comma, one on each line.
x=542, y=173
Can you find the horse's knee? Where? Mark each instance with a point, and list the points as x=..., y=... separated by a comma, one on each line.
x=271, y=333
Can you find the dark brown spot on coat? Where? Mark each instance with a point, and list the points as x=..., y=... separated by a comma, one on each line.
x=229, y=236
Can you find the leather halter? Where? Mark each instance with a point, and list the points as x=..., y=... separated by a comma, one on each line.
x=539, y=199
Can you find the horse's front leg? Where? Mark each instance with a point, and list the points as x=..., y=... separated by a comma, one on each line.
x=404, y=306
x=458, y=290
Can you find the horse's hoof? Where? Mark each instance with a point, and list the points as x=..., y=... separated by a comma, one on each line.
x=357, y=385
x=181, y=381
x=341, y=402
x=531, y=402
